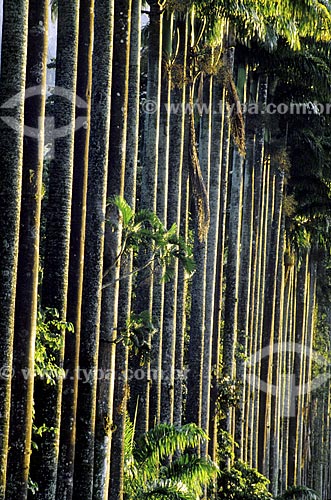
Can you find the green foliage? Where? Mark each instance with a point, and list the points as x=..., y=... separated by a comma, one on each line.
x=226, y=444
x=49, y=341
x=242, y=482
x=268, y=21
x=299, y=493
x=159, y=466
x=229, y=395
x=139, y=328
x=144, y=231
x=54, y=9
x=32, y=486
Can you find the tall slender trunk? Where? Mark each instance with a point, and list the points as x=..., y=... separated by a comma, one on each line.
x=182, y=289
x=139, y=389
x=198, y=289
x=268, y=324
x=28, y=260
x=218, y=290
x=233, y=266
x=125, y=291
x=12, y=82
x=287, y=337
x=293, y=459
x=55, y=277
x=259, y=306
x=277, y=370
x=115, y=187
x=161, y=211
x=76, y=258
x=94, y=246
x=214, y=122
x=256, y=232
x=245, y=281
x=177, y=122
x=232, y=274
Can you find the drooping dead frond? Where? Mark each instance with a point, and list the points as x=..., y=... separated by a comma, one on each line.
x=198, y=185
x=236, y=115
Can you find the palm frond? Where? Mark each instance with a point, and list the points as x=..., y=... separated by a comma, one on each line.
x=299, y=493
x=164, y=440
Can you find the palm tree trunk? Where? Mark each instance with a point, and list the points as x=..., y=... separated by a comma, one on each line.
x=76, y=259
x=182, y=289
x=215, y=357
x=28, y=260
x=125, y=291
x=245, y=284
x=55, y=277
x=258, y=205
x=161, y=210
x=232, y=274
x=258, y=301
x=109, y=307
x=94, y=246
x=268, y=322
x=139, y=389
x=13, y=64
x=287, y=331
x=177, y=121
x=294, y=424
x=214, y=95
x=277, y=378
x=198, y=289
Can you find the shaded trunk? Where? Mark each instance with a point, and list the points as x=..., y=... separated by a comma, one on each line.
x=115, y=187
x=55, y=277
x=258, y=204
x=177, y=121
x=161, y=211
x=94, y=246
x=218, y=290
x=245, y=284
x=139, y=389
x=198, y=289
x=76, y=258
x=277, y=371
x=182, y=290
x=298, y=352
x=268, y=325
x=28, y=260
x=214, y=123
x=121, y=387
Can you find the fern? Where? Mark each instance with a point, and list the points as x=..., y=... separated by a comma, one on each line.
x=146, y=476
